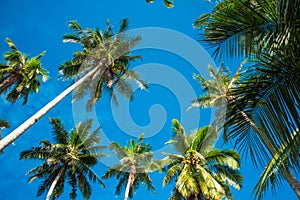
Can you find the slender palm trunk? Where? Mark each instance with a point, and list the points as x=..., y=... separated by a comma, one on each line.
x=34, y=118
x=9, y=81
x=51, y=189
x=294, y=183
x=130, y=181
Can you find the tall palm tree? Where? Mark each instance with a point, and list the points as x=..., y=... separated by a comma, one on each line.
x=200, y=171
x=219, y=92
x=248, y=124
x=69, y=160
x=136, y=161
x=266, y=30
x=21, y=74
x=102, y=65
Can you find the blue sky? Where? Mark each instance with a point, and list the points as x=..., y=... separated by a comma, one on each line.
x=35, y=26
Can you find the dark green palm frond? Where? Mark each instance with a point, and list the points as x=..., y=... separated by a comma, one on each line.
x=277, y=169
x=61, y=135
x=175, y=195
x=4, y=124
x=59, y=189
x=239, y=28
x=121, y=185
x=145, y=179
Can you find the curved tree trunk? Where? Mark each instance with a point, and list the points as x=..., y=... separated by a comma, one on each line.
x=34, y=118
x=130, y=181
x=293, y=182
x=9, y=81
x=51, y=189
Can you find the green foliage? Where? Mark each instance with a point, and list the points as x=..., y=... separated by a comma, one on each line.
x=20, y=75
x=136, y=160
x=267, y=92
x=237, y=28
x=73, y=154
x=107, y=51
x=200, y=171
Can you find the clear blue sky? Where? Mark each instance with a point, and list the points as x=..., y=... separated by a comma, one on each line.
x=35, y=26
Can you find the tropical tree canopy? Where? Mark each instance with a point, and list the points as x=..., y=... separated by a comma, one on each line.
x=107, y=51
x=136, y=161
x=21, y=74
x=266, y=31
x=200, y=171
x=239, y=28
x=69, y=160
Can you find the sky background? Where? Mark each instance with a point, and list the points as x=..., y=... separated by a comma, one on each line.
x=35, y=26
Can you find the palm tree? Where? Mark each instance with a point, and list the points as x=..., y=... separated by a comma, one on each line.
x=101, y=65
x=220, y=92
x=68, y=160
x=247, y=124
x=265, y=30
x=20, y=75
x=136, y=161
x=200, y=171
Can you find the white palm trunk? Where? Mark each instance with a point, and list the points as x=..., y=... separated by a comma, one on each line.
x=130, y=181
x=51, y=189
x=34, y=118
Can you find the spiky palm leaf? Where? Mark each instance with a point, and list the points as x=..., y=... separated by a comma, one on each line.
x=72, y=156
x=237, y=28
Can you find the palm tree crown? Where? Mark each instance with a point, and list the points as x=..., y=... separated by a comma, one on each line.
x=136, y=161
x=68, y=160
x=107, y=51
x=20, y=75
x=201, y=171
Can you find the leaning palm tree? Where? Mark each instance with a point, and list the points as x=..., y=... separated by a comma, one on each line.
x=136, y=161
x=21, y=74
x=232, y=111
x=102, y=65
x=248, y=116
x=200, y=171
x=266, y=30
x=69, y=160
